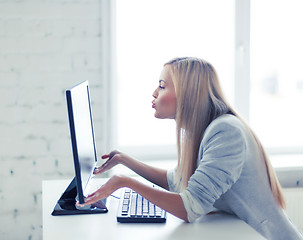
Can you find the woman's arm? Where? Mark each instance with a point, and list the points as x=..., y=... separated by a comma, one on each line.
x=168, y=201
x=152, y=174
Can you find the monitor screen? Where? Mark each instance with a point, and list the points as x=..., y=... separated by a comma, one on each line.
x=82, y=135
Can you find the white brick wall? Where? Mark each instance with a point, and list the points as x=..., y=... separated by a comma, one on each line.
x=45, y=47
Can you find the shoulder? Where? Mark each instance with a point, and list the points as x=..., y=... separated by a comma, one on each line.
x=223, y=122
x=225, y=136
x=226, y=125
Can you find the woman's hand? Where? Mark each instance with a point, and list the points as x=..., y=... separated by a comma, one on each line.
x=106, y=190
x=114, y=158
x=153, y=174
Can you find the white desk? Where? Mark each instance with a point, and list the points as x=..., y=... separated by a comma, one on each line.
x=105, y=226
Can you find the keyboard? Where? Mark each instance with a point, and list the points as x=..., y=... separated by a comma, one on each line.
x=133, y=208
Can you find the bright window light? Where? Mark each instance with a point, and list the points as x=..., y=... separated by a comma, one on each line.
x=148, y=34
x=276, y=112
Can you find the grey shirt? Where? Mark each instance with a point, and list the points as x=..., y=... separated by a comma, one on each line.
x=231, y=176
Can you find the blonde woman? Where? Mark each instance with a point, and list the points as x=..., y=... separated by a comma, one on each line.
x=221, y=163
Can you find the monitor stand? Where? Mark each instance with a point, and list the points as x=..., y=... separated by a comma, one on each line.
x=66, y=205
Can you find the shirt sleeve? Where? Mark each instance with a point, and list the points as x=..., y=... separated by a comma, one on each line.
x=170, y=175
x=222, y=155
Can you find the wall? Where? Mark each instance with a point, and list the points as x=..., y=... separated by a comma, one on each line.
x=45, y=47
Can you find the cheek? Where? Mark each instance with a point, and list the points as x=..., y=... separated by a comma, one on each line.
x=168, y=100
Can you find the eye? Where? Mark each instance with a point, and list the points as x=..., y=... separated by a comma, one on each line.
x=162, y=84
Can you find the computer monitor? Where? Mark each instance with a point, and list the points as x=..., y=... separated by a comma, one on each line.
x=82, y=135
x=84, y=154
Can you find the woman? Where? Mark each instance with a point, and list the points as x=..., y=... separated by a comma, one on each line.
x=221, y=163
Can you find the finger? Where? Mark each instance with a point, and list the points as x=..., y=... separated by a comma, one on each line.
x=97, y=170
x=112, y=154
x=105, y=156
x=81, y=204
x=100, y=169
x=91, y=199
x=90, y=195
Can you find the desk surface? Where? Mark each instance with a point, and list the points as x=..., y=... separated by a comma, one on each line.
x=105, y=226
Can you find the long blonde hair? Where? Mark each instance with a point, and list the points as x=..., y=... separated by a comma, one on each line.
x=200, y=100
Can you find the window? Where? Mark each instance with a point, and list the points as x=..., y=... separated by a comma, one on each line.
x=276, y=112
x=149, y=33
x=255, y=47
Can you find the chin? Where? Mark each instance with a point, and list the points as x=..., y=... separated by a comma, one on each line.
x=158, y=116
x=164, y=116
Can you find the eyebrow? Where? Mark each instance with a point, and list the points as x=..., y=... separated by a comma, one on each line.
x=162, y=81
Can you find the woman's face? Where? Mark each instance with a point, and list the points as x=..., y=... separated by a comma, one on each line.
x=165, y=101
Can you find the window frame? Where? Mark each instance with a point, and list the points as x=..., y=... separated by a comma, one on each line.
x=109, y=81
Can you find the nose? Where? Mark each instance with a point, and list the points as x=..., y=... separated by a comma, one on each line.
x=155, y=93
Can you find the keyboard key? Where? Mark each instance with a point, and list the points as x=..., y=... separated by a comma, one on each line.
x=151, y=209
x=126, y=196
x=124, y=207
x=133, y=212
